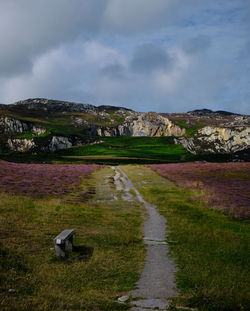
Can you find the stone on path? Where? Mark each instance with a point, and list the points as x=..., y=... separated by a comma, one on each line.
x=123, y=299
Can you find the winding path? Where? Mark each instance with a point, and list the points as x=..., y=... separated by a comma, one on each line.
x=157, y=282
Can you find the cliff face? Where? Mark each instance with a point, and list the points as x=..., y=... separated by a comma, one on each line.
x=20, y=145
x=217, y=140
x=148, y=124
x=12, y=125
x=140, y=124
x=226, y=139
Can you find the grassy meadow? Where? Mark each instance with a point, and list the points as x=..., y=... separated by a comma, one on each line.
x=107, y=257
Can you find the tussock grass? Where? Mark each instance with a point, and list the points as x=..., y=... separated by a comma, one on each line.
x=105, y=263
x=211, y=250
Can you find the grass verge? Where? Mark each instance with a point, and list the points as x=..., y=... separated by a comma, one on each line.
x=105, y=262
x=211, y=250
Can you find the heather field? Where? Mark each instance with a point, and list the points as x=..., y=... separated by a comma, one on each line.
x=225, y=186
x=210, y=249
x=38, y=180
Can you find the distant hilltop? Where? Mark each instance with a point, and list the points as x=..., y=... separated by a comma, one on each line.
x=58, y=105
x=207, y=112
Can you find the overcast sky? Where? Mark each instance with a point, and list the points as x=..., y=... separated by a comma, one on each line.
x=148, y=55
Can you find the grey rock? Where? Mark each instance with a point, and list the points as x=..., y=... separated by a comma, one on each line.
x=59, y=142
x=12, y=125
x=211, y=139
x=11, y=291
x=123, y=299
x=140, y=124
x=20, y=145
x=38, y=130
x=150, y=124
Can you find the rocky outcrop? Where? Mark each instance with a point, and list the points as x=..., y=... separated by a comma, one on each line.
x=26, y=145
x=37, y=130
x=12, y=125
x=188, y=143
x=50, y=144
x=217, y=140
x=140, y=124
x=149, y=124
x=59, y=142
x=20, y=145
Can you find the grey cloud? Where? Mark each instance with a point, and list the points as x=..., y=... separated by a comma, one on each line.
x=29, y=28
x=14, y=64
x=136, y=15
x=131, y=17
x=114, y=71
x=197, y=44
x=149, y=57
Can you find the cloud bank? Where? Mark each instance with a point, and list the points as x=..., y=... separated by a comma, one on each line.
x=157, y=55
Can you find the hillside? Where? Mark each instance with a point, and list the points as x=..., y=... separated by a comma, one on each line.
x=41, y=126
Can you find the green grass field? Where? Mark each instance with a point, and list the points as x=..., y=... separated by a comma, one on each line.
x=119, y=150
x=155, y=148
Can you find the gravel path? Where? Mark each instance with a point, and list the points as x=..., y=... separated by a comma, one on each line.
x=157, y=281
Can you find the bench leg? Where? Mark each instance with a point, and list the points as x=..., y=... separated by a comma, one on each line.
x=59, y=251
x=69, y=245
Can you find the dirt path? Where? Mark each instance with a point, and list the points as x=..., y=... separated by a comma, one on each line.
x=156, y=283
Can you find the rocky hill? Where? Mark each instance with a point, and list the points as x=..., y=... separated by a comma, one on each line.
x=42, y=125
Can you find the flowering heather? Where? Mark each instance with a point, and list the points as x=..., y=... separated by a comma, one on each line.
x=226, y=185
x=37, y=180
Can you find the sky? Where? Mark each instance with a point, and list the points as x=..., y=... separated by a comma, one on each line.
x=146, y=55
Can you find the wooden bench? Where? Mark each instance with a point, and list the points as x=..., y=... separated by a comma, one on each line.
x=64, y=242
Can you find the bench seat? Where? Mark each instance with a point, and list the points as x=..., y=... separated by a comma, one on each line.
x=63, y=242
